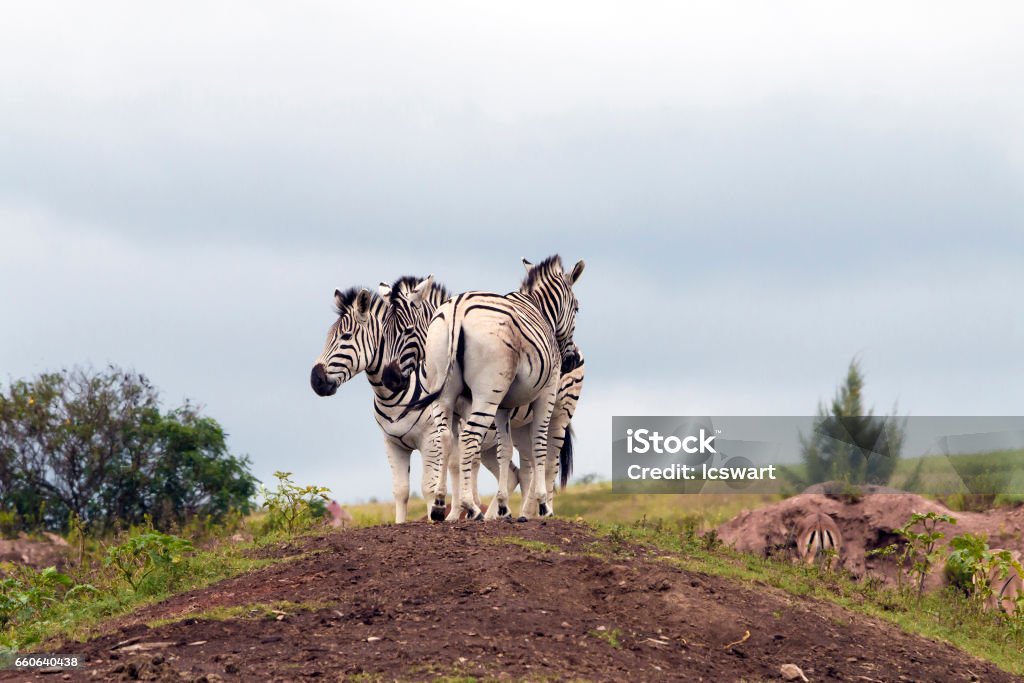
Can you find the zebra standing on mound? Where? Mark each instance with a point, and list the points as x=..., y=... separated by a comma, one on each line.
x=354, y=344
x=507, y=351
x=404, y=334
x=357, y=341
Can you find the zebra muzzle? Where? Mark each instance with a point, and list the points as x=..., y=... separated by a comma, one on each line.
x=393, y=378
x=321, y=383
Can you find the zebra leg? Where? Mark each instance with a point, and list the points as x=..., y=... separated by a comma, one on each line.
x=476, y=478
x=434, y=467
x=489, y=459
x=398, y=458
x=479, y=420
x=557, y=434
x=542, y=408
x=521, y=439
x=499, y=506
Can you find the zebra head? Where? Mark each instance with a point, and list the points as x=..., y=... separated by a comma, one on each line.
x=352, y=341
x=551, y=288
x=409, y=304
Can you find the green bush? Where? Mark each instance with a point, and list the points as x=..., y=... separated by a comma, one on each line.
x=24, y=592
x=142, y=554
x=291, y=507
x=920, y=549
x=969, y=554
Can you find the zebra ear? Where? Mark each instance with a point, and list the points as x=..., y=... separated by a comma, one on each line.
x=339, y=301
x=527, y=265
x=361, y=306
x=422, y=289
x=384, y=290
x=577, y=270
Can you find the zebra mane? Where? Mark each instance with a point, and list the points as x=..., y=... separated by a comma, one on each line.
x=550, y=265
x=348, y=297
x=407, y=283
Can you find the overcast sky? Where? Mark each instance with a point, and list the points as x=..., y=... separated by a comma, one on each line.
x=761, y=191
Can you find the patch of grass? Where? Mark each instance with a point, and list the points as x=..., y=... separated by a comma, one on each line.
x=538, y=546
x=946, y=615
x=251, y=612
x=83, y=617
x=596, y=501
x=968, y=481
x=612, y=636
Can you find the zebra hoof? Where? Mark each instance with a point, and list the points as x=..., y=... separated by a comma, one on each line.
x=503, y=511
x=522, y=519
x=479, y=517
x=509, y=519
x=543, y=510
x=437, y=513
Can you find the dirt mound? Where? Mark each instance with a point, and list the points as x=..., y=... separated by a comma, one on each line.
x=48, y=552
x=534, y=601
x=866, y=524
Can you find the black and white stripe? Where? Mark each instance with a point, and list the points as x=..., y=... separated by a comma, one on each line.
x=371, y=331
x=503, y=351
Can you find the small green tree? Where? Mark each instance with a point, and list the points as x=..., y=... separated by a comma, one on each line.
x=290, y=506
x=920, y=548
x=849, y=444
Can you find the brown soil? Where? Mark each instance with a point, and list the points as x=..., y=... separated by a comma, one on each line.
x=867, y=524
x=39, y=553
x=417, y=601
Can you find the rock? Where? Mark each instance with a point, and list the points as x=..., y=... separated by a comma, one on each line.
x=130, y=641
x=792, y=672
x=143, y=647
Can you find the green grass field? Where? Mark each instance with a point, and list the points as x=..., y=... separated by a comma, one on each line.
x=597, y=502
x=996, y=478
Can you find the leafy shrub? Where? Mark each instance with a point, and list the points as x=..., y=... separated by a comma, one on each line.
x=969, y=553
x=919, y=552
x=25, y=592
x=142, y=554
x=291, y=507
x=971, y=564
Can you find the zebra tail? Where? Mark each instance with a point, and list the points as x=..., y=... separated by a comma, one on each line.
x=430, y=397
x=565, y=457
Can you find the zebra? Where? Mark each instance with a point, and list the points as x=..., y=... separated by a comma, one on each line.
x=506, y=351
x=817, y=534
x=355, y=343
x=404, y=330
x=353, y=346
